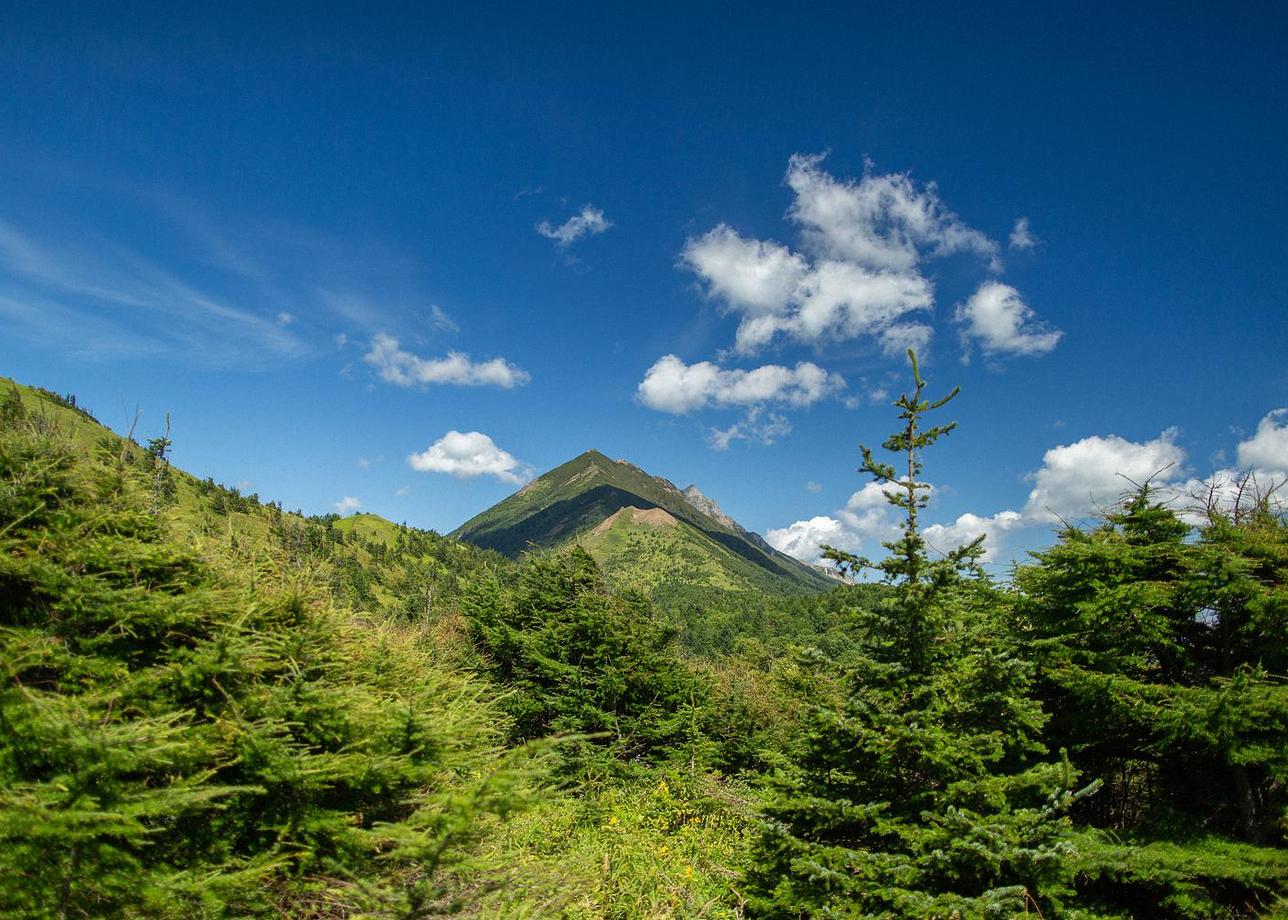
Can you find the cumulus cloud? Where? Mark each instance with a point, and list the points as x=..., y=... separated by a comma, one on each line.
x=348, y=504
x=1021, y=236
x=1267, y=449
x=898, y=338
x=588, y=221
x=968, y=527
x=466, y=455
x=882, y=222
x=1080, y=478
x=804, y=540
x=672, y=386
x=1074, y=482
x=867, y=519
x=751, y=276
x=870, y=516
x=858, y=273
x=1001, y=323
x=404, y=369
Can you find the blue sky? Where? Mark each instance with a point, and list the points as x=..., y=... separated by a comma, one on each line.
x=288, y=231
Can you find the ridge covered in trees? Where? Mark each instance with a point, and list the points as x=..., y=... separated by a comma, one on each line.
x=212, y=707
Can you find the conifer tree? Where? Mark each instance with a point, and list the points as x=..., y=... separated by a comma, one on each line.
x=919, y=786
x=1163, y=650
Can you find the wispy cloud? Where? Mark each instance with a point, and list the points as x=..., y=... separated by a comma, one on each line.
x=589, y=221
x=405, y=369
x=348, y=505
x=1021, y=236
x=439, y=319
x=757, y=426
x=114, y=286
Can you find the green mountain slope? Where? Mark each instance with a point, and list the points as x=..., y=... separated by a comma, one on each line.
x=365, y=562
x=641, y=529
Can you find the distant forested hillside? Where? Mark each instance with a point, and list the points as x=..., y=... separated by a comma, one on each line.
x=211, y=706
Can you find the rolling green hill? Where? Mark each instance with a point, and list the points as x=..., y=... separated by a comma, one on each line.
x=641, y=529
x=364, y=561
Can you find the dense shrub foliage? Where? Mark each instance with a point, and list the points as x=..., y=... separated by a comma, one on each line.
x=212, y=707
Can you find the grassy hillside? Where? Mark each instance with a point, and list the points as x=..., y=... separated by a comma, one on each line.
x=571, y=503
x=364, y=561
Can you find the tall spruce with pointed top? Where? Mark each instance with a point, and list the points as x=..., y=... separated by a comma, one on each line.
x=918, y=579
x=918, y=785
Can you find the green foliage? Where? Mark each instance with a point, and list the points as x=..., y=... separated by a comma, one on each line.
x=576, y=657
x=213, y=707
x=174, y=744
x=919, y=785
x=1163, y=653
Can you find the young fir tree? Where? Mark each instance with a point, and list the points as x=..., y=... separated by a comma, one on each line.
x=580, y=658
x=919, y=786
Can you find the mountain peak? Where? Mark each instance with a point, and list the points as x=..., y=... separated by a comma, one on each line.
x=583, y=501
x=695, y=497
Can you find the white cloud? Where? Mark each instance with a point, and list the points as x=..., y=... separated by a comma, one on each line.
x=405, y=369
x=859, y=273
x=777, y=293
x=867, y=519
x=364, y=463
x=1267, y=449
x=341, y=339
x=348, y=504
x=1021, y=236
x=751, y=276
x=881, y=222
x=1003, y=324
x=402, y=491
x=589, y=220
x=841, y=300
x=285, y=319
x=87, y=283
x=1079, y=479
x=670, y=385
x=1074, y=482
x=897, y=339
x=968, y=527
x=439, y=319
x=869, y=514
x=804, y=540
x=814, y=487
x=753, y=427
x=467, y=455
